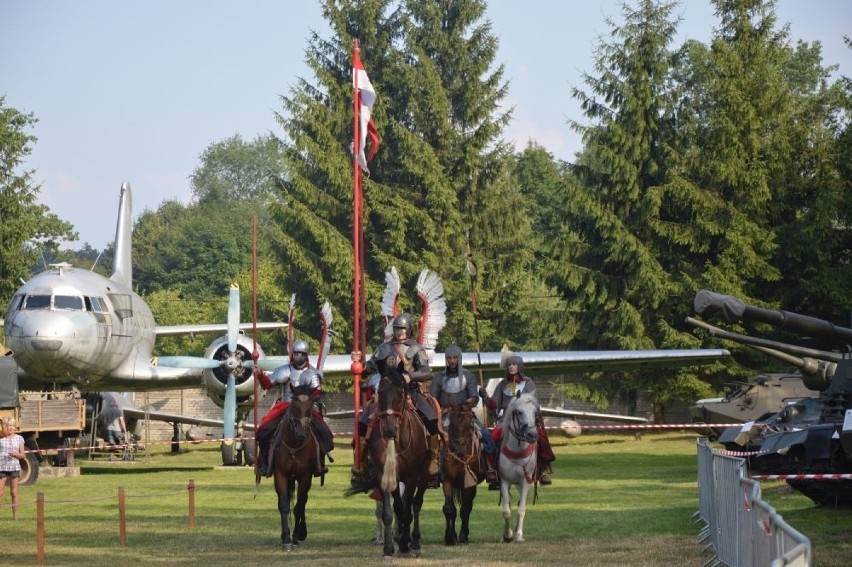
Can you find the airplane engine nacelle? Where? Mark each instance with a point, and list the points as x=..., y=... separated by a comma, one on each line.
x=216, y=380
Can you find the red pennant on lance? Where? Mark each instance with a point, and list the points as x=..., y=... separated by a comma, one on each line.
x=366, y=99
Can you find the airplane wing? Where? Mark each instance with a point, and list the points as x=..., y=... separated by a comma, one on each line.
x=172, y=330
x=545, y=363
x=155, y=415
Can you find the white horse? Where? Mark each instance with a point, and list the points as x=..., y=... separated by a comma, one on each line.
x=517, y=463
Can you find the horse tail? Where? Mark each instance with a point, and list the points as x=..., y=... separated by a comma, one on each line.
x=389, y=475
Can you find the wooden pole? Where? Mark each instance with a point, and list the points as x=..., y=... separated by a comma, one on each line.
x=122, y=519
x=40, y=528
x=191, y=490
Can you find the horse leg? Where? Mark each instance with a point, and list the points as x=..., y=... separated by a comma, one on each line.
x=281, y=487
x=404, y=520
x=387, y=519
x=417, y=504
x=380, y=526
x=468, y=496
x=507, y=510
x=524, y=490
x=449, y=514
x=300, y=531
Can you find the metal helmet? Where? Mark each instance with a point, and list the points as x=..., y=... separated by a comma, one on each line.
x=300, y=352
x=402, y=321
x=516, y=359
x=453, y=350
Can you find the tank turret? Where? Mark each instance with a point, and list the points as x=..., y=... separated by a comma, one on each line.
x=806, y=437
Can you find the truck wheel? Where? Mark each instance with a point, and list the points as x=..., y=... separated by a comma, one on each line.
x=29, y=470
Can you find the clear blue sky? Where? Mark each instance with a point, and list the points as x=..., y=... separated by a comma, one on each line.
x=137, y=90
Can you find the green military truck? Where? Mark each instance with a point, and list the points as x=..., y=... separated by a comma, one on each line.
x=49, y=422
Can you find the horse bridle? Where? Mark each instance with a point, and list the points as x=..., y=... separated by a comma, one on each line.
x=519, y=427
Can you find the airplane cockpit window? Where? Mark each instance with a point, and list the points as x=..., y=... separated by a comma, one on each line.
x=98, y=304
x=16, y=303
x=73, y=302
x=37, y=302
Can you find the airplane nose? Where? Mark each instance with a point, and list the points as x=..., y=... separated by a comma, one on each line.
x=41, y=336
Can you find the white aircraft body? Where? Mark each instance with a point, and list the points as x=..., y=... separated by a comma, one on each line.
x=75, y=327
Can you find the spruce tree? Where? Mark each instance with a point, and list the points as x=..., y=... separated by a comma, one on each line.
x=440, y=186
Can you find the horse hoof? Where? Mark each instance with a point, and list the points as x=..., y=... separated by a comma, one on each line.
x=288, y=547
x=507, y=539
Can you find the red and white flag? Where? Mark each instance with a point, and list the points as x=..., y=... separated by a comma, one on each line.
x=367, y=97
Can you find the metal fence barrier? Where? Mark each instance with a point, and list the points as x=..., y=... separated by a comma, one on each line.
x=741, y=530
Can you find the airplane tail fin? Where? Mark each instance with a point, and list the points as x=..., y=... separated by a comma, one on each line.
x=122, y=270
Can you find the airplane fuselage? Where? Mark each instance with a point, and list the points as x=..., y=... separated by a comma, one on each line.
x=68, y=325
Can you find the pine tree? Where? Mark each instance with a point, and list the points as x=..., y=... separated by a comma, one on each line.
x=440, y=189
x=608, y=259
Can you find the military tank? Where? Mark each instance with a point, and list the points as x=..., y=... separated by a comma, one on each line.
x=756, y=399
x=808, y=436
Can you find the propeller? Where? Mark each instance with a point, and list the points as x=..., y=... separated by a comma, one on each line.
x=188, y=362
x=232, y=363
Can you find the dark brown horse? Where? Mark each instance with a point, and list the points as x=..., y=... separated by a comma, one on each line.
x=461, y=470
x=399, y=453
x=295, y=460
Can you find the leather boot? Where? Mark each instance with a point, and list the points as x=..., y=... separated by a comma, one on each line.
x=434, y=448
x=361, y=473
x=544, y=476
x=263, y=468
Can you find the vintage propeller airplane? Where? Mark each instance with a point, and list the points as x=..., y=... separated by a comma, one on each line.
x=69, y=326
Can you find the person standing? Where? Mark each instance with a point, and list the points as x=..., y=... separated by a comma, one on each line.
x=456, y=386
x=514, y=384
x=11, y=452
x=116, y=430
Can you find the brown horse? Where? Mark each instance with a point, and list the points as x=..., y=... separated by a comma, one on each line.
x=461, y=471
x=295, y=460
x=399, y=452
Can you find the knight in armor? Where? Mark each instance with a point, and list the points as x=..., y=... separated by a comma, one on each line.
x=298, y=373
x=457, y=386
x=412, y=361
x=514, y=384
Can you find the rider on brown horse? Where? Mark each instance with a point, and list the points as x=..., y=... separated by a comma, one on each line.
x=289, y=376
x=457, y=386
x=407, y=356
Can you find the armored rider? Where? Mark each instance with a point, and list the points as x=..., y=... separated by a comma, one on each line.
x=285, y=378
x=457, y=386
x=514, y=384
x=410, y=358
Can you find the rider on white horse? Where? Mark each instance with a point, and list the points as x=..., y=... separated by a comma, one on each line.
x=514, y=384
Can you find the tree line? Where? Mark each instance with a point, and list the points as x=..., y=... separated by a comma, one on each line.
x=720, y=165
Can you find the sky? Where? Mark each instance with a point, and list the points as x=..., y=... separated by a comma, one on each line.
x=136, y=91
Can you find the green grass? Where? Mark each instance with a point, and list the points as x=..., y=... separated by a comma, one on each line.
x=615, y=500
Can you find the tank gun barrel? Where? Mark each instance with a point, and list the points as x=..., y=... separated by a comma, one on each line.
x=732, y=309
x=817, y=366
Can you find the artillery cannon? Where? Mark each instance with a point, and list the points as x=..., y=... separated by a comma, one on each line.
x=810, y=436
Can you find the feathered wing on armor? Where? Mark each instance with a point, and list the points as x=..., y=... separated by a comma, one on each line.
x=430, y=291
x=326, y=319
x=390, y=300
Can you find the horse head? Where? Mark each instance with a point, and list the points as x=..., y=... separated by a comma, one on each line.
x=299, y=413
x=460, y=428
x=521, y=418
x=391, y=401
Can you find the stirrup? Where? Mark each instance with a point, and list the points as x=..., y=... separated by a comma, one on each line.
x=494, y=485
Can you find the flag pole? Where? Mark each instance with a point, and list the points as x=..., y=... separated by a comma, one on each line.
x=357, y=366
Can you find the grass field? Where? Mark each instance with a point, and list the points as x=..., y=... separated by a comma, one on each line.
x=615, y=500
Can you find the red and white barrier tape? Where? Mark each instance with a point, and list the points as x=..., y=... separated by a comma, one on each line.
x=826, y=476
